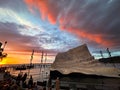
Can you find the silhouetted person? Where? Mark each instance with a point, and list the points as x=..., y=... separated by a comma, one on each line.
x=24, y=77
x=35, y=86
x=24, y=84
x=7, y=76
x=30, y=82
x=19, y=77
x=57, y=84
x=49, y=84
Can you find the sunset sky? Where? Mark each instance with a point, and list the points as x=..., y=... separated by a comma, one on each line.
x=56, y=26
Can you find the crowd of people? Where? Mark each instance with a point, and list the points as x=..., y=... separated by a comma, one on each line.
x=22, y=82
x=18, y=83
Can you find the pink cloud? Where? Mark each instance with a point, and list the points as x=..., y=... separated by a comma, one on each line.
x=51, y=10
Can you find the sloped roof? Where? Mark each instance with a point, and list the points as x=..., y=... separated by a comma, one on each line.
x=79, y=60
x=78, y=53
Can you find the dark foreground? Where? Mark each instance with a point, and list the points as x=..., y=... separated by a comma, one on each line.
x=20, y=82
x=75, y=81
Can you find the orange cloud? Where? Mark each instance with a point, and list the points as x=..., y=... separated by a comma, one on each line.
x=45, y=9
x=94, y=37
x=98, y=38
x=51, y=19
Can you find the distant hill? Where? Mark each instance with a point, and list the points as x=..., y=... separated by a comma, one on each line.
x=115, y=59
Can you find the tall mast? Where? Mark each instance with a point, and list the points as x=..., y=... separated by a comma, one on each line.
x=4, y=45
x=45, y=65
x=42, y=57
x=30, y=62
x=45, y=58
x=109, y=53
x=41, y=62
x=31, y=57
x=101, y=54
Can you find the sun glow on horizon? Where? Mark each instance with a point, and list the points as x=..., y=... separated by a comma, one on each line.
x=8, y=60
x=24, y=59
x=2, y=62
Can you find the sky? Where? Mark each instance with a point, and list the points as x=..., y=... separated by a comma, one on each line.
x=56, y=26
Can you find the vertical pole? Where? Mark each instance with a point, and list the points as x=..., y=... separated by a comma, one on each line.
x=41, y=62
x=101, y=54
x=30, y=62
x=1, y=50
x=45, y=58
x=31, y=57
x=109, y=53
x=45, y=64
x=4, y=45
